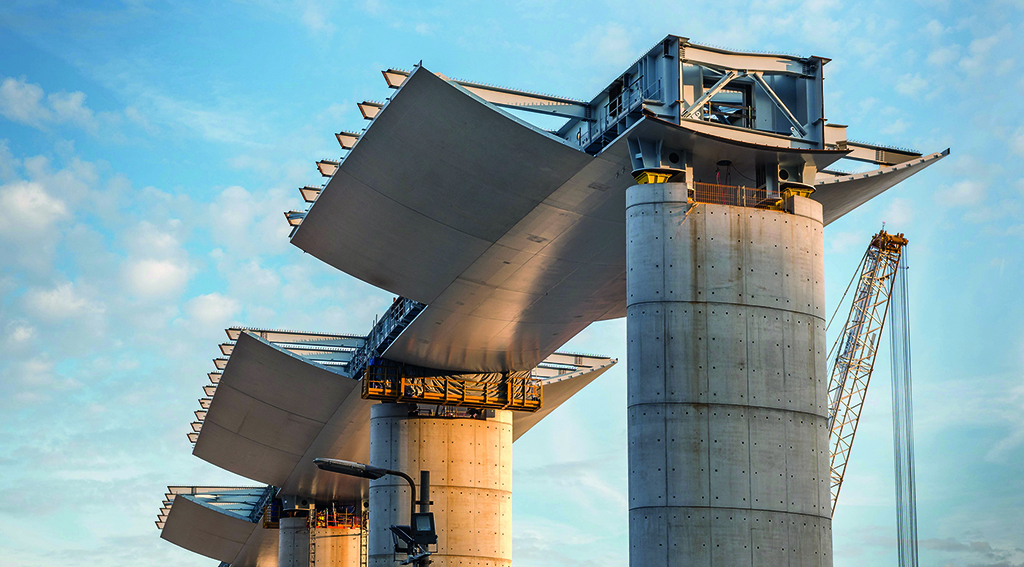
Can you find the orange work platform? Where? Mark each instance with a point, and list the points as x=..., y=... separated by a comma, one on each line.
x=494, y=391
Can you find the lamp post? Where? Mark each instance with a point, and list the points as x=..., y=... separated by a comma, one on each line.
x=420, y=531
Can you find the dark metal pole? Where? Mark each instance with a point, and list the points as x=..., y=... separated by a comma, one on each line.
x=424, y=491
x=424, y=505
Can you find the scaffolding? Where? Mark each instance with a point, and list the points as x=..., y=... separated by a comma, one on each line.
x=513, y=391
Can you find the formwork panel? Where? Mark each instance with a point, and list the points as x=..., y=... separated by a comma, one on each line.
x=686, y=353
x=723, y=245
x=645, y=281
x=682, y=249
x=763, y=275
x=727, y=354
x=647, y=483
x=729, y=456
x=802, y=470
x=730, y=537
x=689, y=531
x=767, y=460
x=765, y=356
x=649, y=536
x=646, y=354
x=687, y=456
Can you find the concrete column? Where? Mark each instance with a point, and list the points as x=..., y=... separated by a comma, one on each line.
x=293, y=543
x=728, y=435
x=335, y=547
x=470, y=464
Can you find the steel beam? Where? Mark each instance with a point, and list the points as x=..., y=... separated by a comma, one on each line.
x=759, y=79
x=509, y=98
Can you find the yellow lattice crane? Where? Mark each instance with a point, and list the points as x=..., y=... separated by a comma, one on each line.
x=858, y=346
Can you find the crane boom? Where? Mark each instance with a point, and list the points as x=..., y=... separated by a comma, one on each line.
x=857, y=348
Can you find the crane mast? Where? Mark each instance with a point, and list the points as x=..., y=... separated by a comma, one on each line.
x=857, y=348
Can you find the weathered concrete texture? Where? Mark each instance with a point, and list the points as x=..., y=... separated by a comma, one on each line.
x=728, y=436
x=335, y=547
x=470, y=464
x=293, y=543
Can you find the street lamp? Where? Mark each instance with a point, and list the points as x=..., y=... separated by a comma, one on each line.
x=420, y=532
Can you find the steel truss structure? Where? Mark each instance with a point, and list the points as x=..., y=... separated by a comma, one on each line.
x=857, y=348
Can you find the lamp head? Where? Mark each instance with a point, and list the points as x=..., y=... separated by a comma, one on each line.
x=350, y=468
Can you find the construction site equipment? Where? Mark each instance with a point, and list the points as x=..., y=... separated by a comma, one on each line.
x=512, y=391
x=853, y=362
x=272, y=515
x=881, y=288
x=336, y=517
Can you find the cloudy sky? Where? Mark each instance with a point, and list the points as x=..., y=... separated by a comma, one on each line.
x=148, y=149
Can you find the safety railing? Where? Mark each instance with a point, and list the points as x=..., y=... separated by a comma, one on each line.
x=387, y=383
x=272, y=515
x=384, y=332
x=734, y=195
x=336, y=517
x=612, y=112
x=260, y=508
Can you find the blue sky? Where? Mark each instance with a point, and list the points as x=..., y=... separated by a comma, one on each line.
x=148, y=149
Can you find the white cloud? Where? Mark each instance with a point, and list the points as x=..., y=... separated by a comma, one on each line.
x=138, y=118
x=935, y=28
x=212, y=309
x=316, y=16
x=251, y=223
x=8, y=163
x=70, y=107
x=977, y=61
x=1012, y=405
x=34, y=380
x=24, y=102
x=19, y=333
x=1017, y=142
x=156, y=278
x=911, y=85
x=897, y=126
x=961, y=193
x=146, y=239
x=606, y=46
x=845, y=241
x=71, y=184
x=899, y=213
x=61, y=302
x=28, y=210
x=943, y=56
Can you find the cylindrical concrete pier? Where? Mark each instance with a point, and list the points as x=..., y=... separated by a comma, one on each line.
x=728, y=433
x=470, y=464
x=293, y=542
x=335, y=547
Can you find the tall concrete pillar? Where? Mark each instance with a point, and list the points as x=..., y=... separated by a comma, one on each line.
x=470, y=464
x=728, y=434
x=335, y=547
x=293, y=542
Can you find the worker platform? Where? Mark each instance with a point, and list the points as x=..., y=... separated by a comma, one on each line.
x=517, y=392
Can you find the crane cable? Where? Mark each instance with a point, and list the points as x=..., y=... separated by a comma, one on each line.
x=903, y=421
